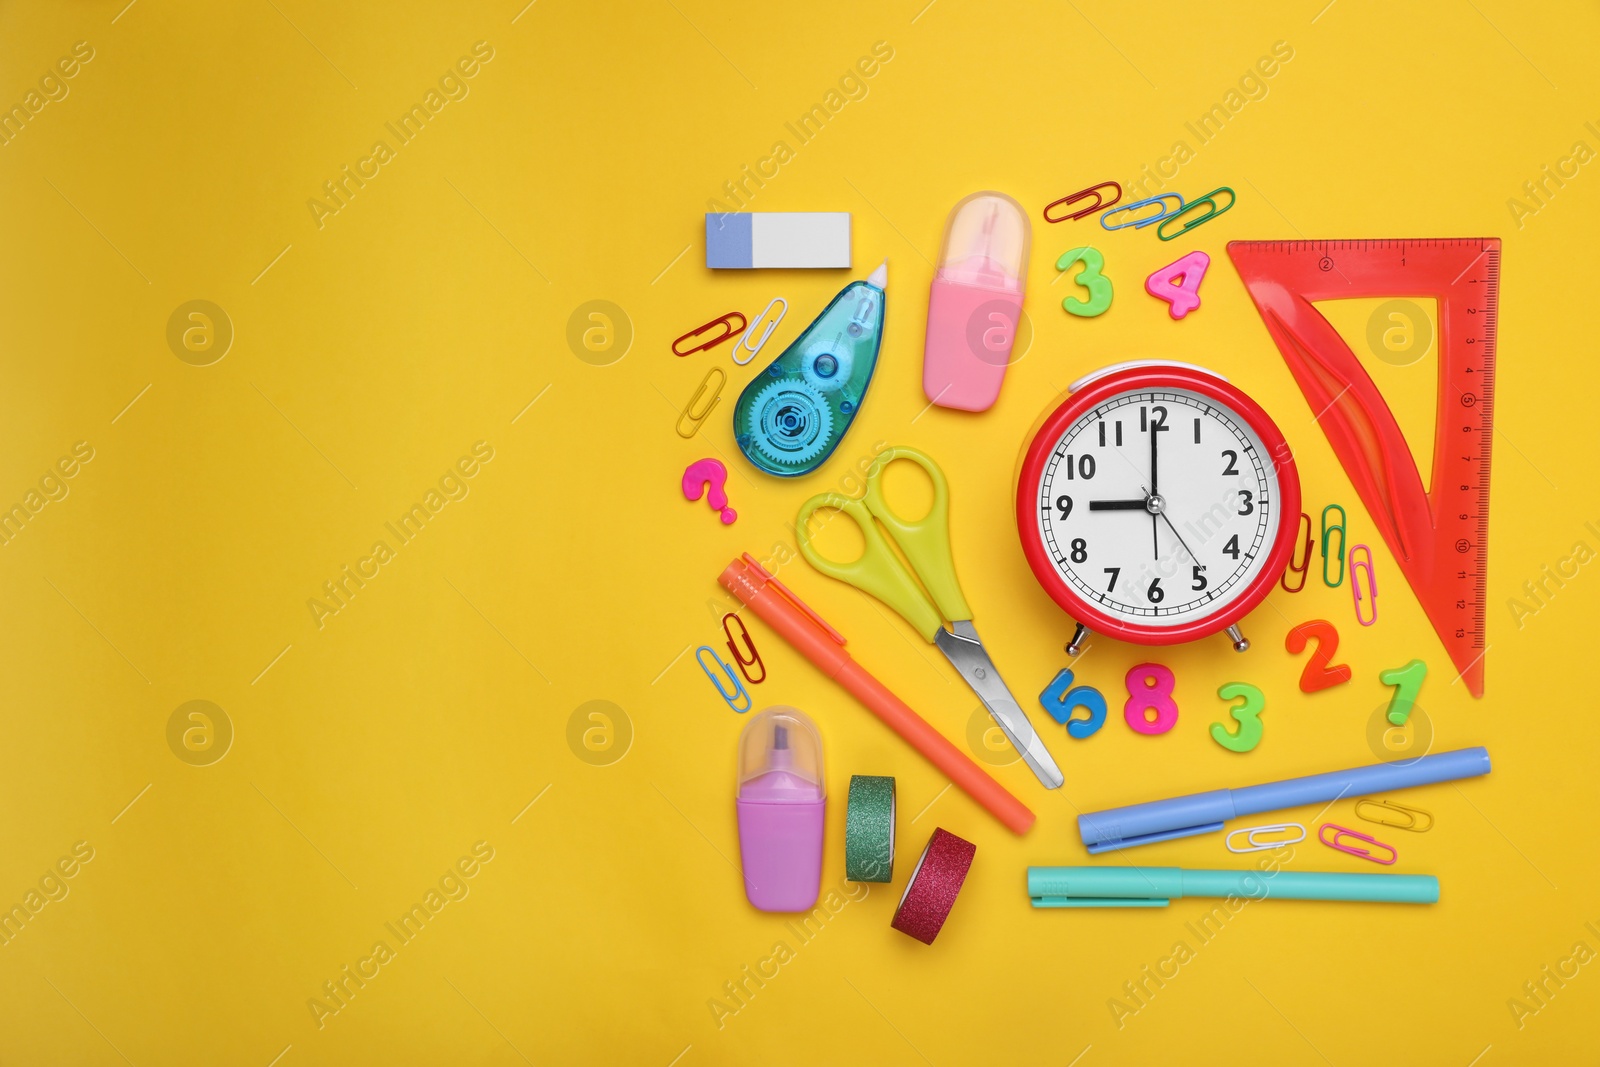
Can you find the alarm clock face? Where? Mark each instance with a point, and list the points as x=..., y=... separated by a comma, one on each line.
x=1160, y=507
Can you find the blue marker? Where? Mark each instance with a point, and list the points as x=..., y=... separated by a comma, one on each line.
x=1202, y=813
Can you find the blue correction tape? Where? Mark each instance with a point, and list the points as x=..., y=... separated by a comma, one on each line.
x=792, y=416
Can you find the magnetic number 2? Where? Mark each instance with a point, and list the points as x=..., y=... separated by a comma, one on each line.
x=1247, y=715
x=1183, y=296
x=1090, y=278
x=1061, y=699
x=1150, y=690
x=1317, y=675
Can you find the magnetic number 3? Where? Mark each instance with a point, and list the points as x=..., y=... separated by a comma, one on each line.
x=1247, y=715
x=1090, y=278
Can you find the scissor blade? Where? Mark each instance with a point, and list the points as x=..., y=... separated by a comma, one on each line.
x=965, y=652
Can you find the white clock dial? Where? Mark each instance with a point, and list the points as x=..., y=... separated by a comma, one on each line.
x=1159, y=506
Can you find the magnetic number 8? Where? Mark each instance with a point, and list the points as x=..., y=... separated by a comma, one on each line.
x=1150, y=690
x=1090, y=278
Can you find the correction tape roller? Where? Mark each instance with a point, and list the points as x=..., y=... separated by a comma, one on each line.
x=782, y=807
x=792, y=415
x=976, y=302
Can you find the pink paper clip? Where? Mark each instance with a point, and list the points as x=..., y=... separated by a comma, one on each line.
x=1357, y=566
x=1340, y=833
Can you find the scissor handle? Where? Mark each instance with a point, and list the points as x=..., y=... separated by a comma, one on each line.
x=926, y=542
x=878, y=571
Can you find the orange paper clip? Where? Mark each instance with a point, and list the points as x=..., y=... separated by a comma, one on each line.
x=1357, y=568
x=750, y=647
x=729, y=329
x=1099, y=201
x=1304, y=565
x=1343, y=833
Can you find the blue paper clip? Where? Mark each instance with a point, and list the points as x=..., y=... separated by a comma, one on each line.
x=739, y=692
x=1140, y=224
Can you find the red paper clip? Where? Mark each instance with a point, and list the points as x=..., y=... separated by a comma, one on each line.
x=729, y=331
x=1340, y=833
x=750, y=646
x=1304, y=565
x=1099, y=202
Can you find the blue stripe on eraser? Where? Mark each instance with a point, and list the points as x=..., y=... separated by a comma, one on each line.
x=728, y=240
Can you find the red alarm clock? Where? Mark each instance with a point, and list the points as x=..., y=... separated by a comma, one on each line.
x=1157, y=504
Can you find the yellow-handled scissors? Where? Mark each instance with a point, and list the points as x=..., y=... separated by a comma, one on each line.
x=929, y=603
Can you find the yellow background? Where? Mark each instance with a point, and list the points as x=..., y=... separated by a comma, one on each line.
x=369, y=354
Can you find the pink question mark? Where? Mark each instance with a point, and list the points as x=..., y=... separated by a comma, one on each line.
x=709, y=476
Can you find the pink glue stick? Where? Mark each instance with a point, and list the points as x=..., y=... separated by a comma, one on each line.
x=781, y=804
x=976, y=302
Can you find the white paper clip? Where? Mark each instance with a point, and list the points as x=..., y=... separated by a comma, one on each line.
x=744, y=342
x=1250, y=833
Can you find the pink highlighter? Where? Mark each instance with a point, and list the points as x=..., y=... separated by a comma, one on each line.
x=781, y=805
x=976, y=302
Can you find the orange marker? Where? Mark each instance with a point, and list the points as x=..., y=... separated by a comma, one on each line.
x=824, y=647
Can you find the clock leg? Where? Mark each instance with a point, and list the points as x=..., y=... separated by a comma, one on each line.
x=1079, y=636
x=1240, y=644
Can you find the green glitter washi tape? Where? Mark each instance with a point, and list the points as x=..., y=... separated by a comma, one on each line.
x=869, y=829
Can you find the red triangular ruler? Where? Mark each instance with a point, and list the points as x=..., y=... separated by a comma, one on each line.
x=1438, y=535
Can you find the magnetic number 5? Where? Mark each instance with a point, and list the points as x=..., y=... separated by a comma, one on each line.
x=1061, y=701
x=1317, y=675
x=1090, y=278
x=1246, y=715
x=1150, y=690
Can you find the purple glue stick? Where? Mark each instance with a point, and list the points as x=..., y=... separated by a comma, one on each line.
x=781, y=803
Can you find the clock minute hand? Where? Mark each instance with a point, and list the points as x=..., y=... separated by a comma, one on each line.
x=1155, y=527
x=1154, y=437
x=1116, y=505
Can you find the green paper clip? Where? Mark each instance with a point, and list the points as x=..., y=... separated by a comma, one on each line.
x=1326, y=530
x=1192, y=223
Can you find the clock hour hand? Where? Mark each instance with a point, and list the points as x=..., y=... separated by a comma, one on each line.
x=1116, y=505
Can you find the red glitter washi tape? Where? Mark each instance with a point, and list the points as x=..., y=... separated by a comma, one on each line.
x=934, y=885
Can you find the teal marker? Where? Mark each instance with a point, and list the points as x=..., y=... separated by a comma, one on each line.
x=1156, y=887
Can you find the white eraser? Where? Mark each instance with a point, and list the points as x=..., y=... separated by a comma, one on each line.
x=778, y=239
